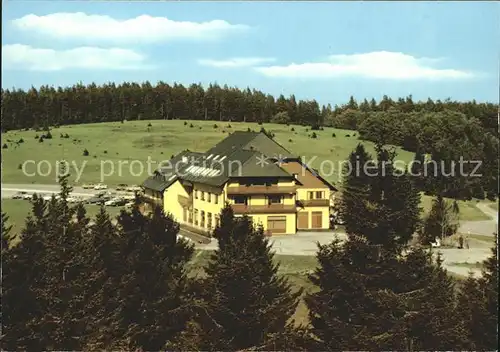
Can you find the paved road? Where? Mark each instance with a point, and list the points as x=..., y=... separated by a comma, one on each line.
x=482, y=227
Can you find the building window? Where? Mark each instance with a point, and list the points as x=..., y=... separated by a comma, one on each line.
x=202, y=195
x=311, y=195
x=274, y=200
x=184, y=214
x=196, y=194
x=216, y=198
x=209, y=220
x=319, y=195
x=240, y=200
x=209, y=197
x=202, y=218
x=217, y=220
x=190, y=217
x=196, y=217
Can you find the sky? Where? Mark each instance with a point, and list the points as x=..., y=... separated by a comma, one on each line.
x=326, y=51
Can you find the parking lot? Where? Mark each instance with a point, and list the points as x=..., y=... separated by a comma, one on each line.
x=87, y=194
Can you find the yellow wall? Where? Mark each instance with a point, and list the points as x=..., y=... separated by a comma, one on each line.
x=325, y=216
x=261, y=219
x=302, y=193
x=171, y=200
x=205, y=205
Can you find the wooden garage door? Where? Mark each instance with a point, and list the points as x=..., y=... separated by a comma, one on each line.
x=276, y=224
x=316, y=219
x=303, y=220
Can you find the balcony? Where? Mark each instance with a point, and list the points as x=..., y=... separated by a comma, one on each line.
x=149, y=199
x=185, y=201
x=313, y=203
x=275, y=189
x=263, y=209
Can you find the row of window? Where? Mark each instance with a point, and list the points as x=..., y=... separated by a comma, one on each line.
x=318, y=194
x=201, y=218
x=206, y=196
x=270, y=200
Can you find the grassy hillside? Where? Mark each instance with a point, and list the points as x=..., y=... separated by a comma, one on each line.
x=113, y=146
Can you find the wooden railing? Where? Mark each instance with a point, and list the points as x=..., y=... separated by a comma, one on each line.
x=263, y=209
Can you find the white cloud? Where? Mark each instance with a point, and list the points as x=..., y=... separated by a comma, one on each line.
x=236, y=62
x=36, y=59
x=140, y=29
x=375, y=65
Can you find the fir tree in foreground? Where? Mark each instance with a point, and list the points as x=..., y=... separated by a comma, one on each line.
x=247, y=299
x=441, y=222
x=478, y=304
x=42, y=280
x=379, y=202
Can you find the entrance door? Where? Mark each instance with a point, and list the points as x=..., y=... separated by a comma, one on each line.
x=316, y=217
x=303, y=220
x=276, y=224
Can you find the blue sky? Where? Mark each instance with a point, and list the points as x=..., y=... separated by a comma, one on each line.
x=318, y=50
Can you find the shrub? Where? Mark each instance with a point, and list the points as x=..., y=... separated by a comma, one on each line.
x=229, y=126
x=315, y=127
x=105, y=152
x=347, y=135
x=20, y=166
x=122, y=121
x=161, y=152
x=4, y=146
x=40, y=140
x=66, y=135
x=223, y=131
x=334, y=135
x=27, y=129
x=48, y=135
x=292, y=129
x=62, y=135
x=215, y=125
x=36, y=136
x=85, y=152
x=313, y=135
x=290, y=140
x=200, y=127
x=260, y=123
x=172, y=156
x=20, y=141
x=307, y=130
x=191, y=126
x=185, y=123
x=150, y=125
x=249, y=130
x=95, y=156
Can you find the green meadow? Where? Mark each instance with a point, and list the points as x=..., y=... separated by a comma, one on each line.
x=117, y=150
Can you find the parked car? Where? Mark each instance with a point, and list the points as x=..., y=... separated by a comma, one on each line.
x=100, y=186
x=133, y=189
x=19, y=195
x=88, y=186
x=96, y=200
x=72, y=200
x=121, y=187
x=27, y=196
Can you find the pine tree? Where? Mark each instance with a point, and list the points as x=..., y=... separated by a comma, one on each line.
x=354, y=308
x=246, y=297
x=441, y=222
x=431, y=316
x=154, y=305
x=6, y=236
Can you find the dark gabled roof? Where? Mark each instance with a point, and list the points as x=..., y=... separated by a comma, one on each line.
x=235, y=141
x=269, y=147
x=241, y=154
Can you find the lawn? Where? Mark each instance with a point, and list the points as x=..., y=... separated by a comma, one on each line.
x=494, y=206
x=118, y=151
x=18, y=210
x=468, y=209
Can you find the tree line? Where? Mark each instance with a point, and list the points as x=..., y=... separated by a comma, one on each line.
x=76, y=284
